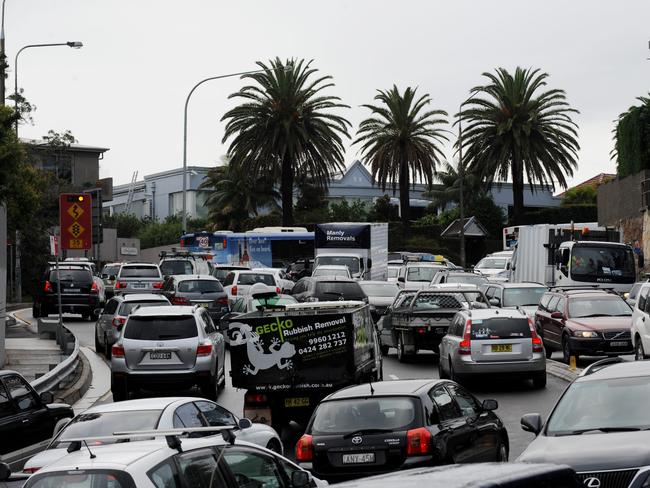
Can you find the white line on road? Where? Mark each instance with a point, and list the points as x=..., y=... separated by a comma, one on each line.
x=393, y=377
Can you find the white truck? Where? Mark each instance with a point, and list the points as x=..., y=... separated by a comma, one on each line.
x=582, y=254
x=362, y=247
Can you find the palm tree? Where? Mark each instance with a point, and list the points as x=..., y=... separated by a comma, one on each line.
x=235, y=196
x=286, y=126
x=516, y=129
x=448, y=190
x=401, y=139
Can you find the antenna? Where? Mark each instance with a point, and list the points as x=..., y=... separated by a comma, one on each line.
x=76, y=446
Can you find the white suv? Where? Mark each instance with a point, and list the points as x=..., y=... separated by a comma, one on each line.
x=641, y=324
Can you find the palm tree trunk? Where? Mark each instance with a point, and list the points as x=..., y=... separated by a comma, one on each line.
x=517, y=190
x=405, y=208
x=286, y=190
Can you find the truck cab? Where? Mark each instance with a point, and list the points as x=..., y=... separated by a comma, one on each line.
x=355, y=262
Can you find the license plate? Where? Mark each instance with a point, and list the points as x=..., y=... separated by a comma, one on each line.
x=619, y=344
x=501, y=347
x=367, y=457
x=138, y=285
x=160, y=355
x=204, y=305
x=296, y=402
x=73, y=290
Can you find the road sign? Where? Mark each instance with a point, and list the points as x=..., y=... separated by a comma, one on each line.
x=75, y=214
x=54, y=245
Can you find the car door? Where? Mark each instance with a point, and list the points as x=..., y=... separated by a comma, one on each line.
x=250, y=468
x=10, y=425
x=449, y=343
x=456, y=434
x=200, y=469
x=485, y=436
x=105, y=320
x=640, y=319
x=556, y=326
x=549, y=331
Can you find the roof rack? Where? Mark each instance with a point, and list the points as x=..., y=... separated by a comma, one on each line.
x=174, y=253
x=602, y=364
x=582, y=287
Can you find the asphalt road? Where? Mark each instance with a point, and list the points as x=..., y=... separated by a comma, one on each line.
x=515, y=397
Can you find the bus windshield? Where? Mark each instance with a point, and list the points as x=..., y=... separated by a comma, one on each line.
x=603, y=264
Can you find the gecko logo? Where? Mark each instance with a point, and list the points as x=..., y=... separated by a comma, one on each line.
x=278, y=354
x=278, y=326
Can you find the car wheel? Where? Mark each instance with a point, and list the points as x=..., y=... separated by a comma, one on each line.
x=566, y=351
x=639, y=352
x=539, y=381
x=441, y=371
x=35, y=311
x=548, y=351
x=98, y=346
x=274, y=445
x=401, y=354
x=502, y=452
x=120, y=389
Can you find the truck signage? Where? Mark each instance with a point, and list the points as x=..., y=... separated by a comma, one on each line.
x=337, y=236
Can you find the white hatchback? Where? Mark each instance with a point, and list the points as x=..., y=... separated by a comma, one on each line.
x=238, y=282
x=641, y=324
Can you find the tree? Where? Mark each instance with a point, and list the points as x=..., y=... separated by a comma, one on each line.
x=515, y=129
x=286, y=126
x=127, y=225
x=383, y=210
x=235, y=195
x=632, y=139
x=12, y=154
x=401, y=139
x=449, y=189
x=343, y=211
x=580, y=195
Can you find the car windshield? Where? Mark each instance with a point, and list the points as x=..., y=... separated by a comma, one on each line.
x=393, y=272
x=176, y=267
x=602, y=306
x=139, y=272
x=467, y=279
x=127, y=307
x=252, y=278
x=78, y=275
x=359, y=414
x=110, y=270
x=342, y=272
x=160, y=328
x=601, y=405
x=350, y=261
x=274, y=302
x=500, y=328
x=380, y=290
x=614, y=263
x=522, y=297
x=200, y=286
x=421, y=273
x=335, y=290
x=101, y=424
x=435, y=301
x=492, y=263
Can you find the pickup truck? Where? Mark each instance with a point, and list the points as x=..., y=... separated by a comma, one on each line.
x=418, y=320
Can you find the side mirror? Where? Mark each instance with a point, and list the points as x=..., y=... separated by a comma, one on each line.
x=5, y=472
x=46, y=397
x=495, y=302
x=532, y=422
x=489, y=405
x=401, y=279
x=557, y=315
x=244, y=423
x=369, y=263
x=300, y=479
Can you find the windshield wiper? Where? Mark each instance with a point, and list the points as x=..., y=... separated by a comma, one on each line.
x=593, y=315
x=366, y=431
x=601, y=429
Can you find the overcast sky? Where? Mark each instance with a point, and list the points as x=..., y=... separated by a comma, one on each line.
x=126, y=87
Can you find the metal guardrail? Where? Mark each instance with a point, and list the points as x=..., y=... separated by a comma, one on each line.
x=51, y=380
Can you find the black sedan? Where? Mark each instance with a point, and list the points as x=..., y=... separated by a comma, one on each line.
x=390, y=425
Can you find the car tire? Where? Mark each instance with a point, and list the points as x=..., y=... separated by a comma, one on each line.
x=539, y=380
x=502, y=452
x=548, y=351
x=441, y=372
x=98, y=346
x=401, y=353
x=566, y=350
x=639, y=352
x=210, y=388
x=120, y=389
x=452, y=375
x=275, y=446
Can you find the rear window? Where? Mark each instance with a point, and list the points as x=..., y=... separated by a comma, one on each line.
x=356, y=414
x=82, y=478
x=333, y=290
x=102, y=424
x=160, y=328
x=127, y=307
x=176, y=267
x=501, y=328
x=80, y=275
x=436, y=301
x=139, y=272
x=110, y=270
x=200, y=286
x=252, y=278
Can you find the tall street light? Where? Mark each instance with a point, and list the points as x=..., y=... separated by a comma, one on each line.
x=187, y=101
x=461, y=176
x=73, y=44
x=2, y=56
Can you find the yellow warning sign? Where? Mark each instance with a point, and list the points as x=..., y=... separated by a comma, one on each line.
x=76, y=244
x=76, y=229
x=75, y=211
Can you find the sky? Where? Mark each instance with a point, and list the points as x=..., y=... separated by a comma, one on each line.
x=125, y=89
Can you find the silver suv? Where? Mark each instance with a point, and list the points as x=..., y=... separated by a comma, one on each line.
x=138, y=278
x=168, y=347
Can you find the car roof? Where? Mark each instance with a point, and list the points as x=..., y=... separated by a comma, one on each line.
x=488, y=313
x=155, y=403
x=582, y=293
x=332, y=266
x=205, y=277
x=250, y=271
x=137, y=297
x=377, y=282
x=624, y=369
x=140, y=264
x=342, y=279
x=175, y=310
x=527, y=284
x=396, y=387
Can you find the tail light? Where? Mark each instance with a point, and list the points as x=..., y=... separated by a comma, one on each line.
x=180, y=301
x=94, y=288
x=305, y=448
x=418, y=442
x=278, y=290
x=222, y=301
x=48, y=287
x=251, y=398
x=158, y=285
x=119, y=321
x=204, y=349
x=233, y=290
x=421, y=330
x=538, y=345
x=120, y=284
x=117, y=351
x=465, y=346
x=30, y=470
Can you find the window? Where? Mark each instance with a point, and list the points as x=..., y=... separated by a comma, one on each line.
x=160, y=328
x=139, y=272
x=163, y=476
x=553, y=303
x=20, y=391
x=78, y=275
x=500, y=328
x=252, y=469
x=560, y=305
x=187, y=416
x=176, y=267
x=100, y=478
x=128, y=307
x=447, y=409
x=521, y=297
x=339, y=290
x=490, y=292
x=643, y=296
x=200, y=470
x=468, y=405
x=111, y=307
x=252, y=278
x=207, y=321
x=591, y=262
x=200, y=286
x=607, y=306
x=215, y=415
x=229, y=280
x=543, y=303
x=6, y=408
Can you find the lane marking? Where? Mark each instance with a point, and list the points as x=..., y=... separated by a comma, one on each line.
x=393, y=377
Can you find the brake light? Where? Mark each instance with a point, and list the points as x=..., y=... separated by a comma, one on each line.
x=465, y=346
x=30, y=470
x=204, y=349
x=254, y=398
x=278, y=290
x=117, y=351
x=48, y=287
x=180, y=301
x=418, y=441
x=119, y=321
x=158, y=285
x=120, y=284
x=233, y=290
x=222, y=301
x=421, y=330
x=538, y=345
x=94, y=288
x=305, y=448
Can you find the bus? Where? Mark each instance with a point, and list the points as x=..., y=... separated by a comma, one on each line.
x=262, y=247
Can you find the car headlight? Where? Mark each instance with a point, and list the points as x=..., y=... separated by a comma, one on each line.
x=586, y=334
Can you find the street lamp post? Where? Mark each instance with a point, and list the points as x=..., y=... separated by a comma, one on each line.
x=2, y=55
x=461, y=176
x=73, y=44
